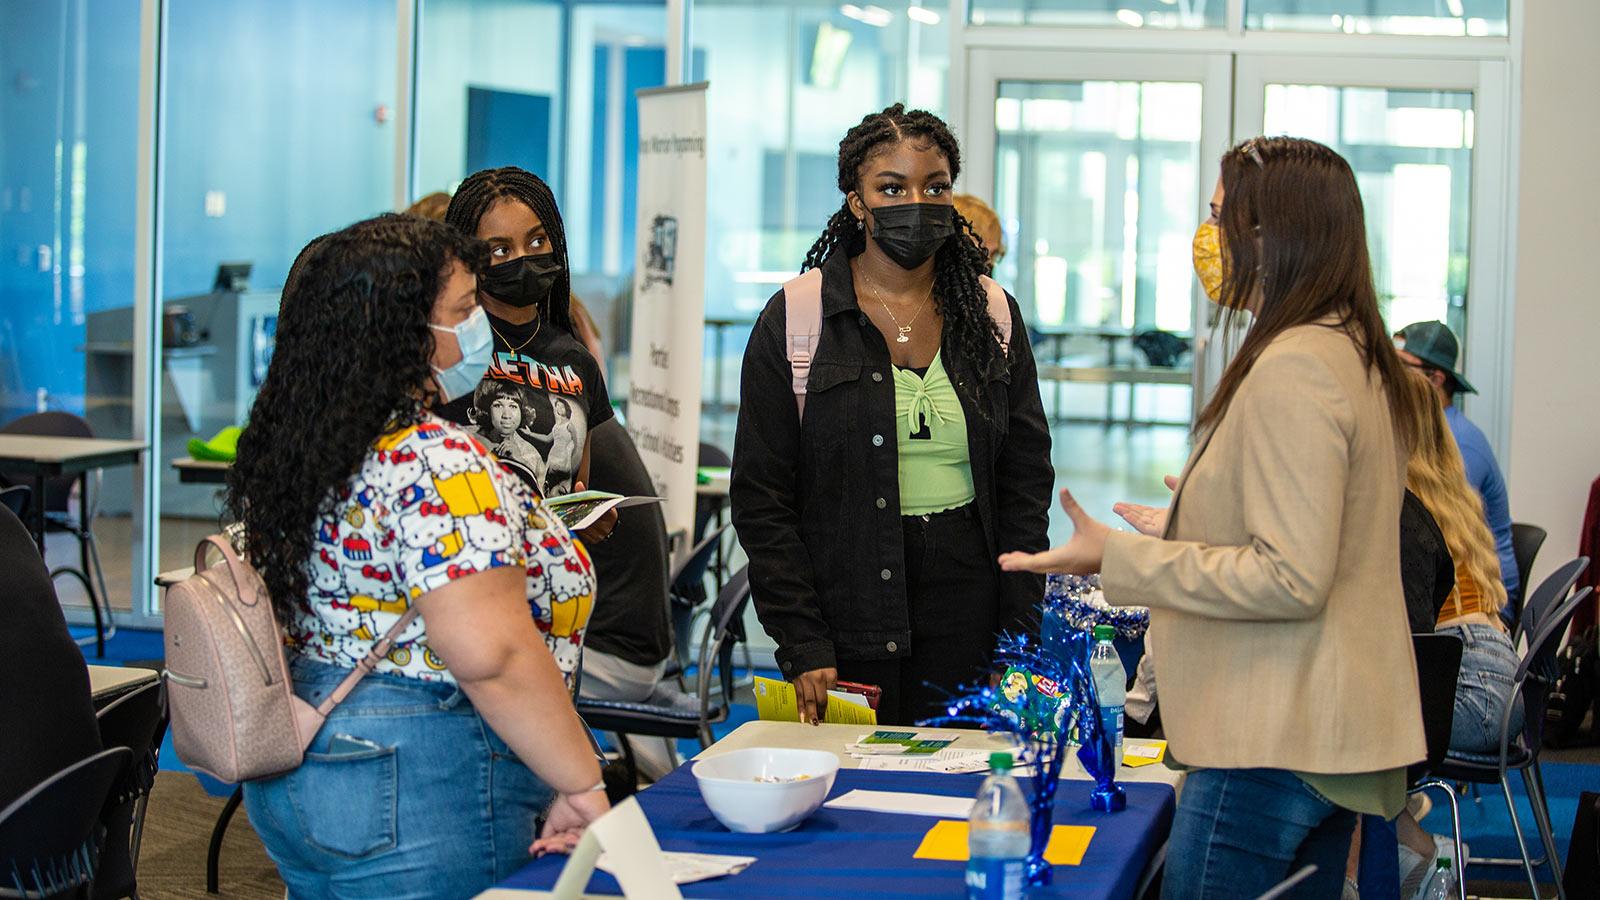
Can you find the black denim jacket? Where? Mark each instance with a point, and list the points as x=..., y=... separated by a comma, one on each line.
x=817, y=506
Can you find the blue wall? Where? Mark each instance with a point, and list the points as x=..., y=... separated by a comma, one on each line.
x=270, y=101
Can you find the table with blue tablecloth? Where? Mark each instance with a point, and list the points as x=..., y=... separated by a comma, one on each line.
x=852, y=854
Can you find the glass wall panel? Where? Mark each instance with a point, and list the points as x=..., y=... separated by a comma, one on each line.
x=1101, y=13
x=1096, y=186
x=1412, y=155
x=68, y=175
x=273, y=136
x=1453, y=18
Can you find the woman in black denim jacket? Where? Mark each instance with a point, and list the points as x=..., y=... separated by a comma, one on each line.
x=862, y=569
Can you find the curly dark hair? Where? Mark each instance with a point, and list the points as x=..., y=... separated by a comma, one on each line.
x=957, y=294
x=482, y=189
x=351, y=364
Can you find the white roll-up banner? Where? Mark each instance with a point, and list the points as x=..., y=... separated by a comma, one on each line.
x=669, y=295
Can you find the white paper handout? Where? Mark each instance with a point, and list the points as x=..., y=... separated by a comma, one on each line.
x=635, y=857
x=584, y=508
x=948, y=760
x=904, y=803
x=687, y=868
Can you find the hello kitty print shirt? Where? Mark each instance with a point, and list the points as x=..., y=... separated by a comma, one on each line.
x=430, y=505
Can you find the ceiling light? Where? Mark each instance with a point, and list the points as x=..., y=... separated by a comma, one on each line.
x=1130, y=18
x=875, y=16
x=922, y=14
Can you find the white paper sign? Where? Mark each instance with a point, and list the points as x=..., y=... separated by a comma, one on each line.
x=902, y=802
x=669, y=295
x=633, y=855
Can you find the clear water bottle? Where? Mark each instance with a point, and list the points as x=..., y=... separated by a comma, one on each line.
x=1442, y=883
x=1110, y=684
x=997, y=836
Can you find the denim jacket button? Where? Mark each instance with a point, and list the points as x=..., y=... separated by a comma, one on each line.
x=877, y=440
x=882, y=503
x=886, y=574
x=877, y=376
x=891, y=646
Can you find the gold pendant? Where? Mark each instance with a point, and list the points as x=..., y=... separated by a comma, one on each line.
x=905, y=334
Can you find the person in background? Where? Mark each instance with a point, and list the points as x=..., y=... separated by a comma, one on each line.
x=427, y=780
x=589, y=333
x=526, y=292
x=431, y=206
x=1472, y=613
x=985, y=226
x=870, y=527
x=1279, y=559
x=1431, y=348
x=44, y=696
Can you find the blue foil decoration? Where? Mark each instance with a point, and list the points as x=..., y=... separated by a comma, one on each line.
x=1061, y=655
x=1068, y=599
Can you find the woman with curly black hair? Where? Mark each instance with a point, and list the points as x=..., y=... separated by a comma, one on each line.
x=427, y=779
x=890, y=438
x=526, y=291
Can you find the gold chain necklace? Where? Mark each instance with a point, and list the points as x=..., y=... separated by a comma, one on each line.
x=904, y=336
x=537, y=324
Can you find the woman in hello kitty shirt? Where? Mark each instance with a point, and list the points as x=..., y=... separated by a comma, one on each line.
x=469, y=702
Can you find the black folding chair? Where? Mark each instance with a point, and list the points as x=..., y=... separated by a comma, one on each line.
x=1547, y=595
x=50, y=837
x=16, y=498
x=1438, y=670
x=715, y=665
x=1521, y=752
x=138, y=721
x=1525, y=543
x=686, y=596
x=58, y=516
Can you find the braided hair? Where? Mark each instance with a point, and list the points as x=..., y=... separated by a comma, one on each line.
x=957, y=294
x=356, y=301
x=483, y=189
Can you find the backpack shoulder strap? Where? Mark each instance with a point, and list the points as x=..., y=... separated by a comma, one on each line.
x=802, y=328
x=999, y=310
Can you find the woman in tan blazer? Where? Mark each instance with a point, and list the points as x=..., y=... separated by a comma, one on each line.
x=1274, y=583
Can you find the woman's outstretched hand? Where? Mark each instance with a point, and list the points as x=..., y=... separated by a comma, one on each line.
x=1151, y=520
x=1081, y=555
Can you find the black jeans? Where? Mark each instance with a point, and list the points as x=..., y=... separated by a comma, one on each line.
x=953, y=597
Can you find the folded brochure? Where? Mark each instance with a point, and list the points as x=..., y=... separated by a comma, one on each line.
x=776, y=702
x=582, y=509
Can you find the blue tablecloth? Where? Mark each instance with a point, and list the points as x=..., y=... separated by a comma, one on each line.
x=853, y=854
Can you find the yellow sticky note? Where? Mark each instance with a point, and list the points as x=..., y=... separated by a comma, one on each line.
x=1143, y=754
x=947, y=840
x=776, y=702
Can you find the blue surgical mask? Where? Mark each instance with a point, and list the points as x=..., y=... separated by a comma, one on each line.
x=476, y=341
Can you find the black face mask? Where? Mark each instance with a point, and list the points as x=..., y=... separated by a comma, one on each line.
x=909, y=233
x=522, y=282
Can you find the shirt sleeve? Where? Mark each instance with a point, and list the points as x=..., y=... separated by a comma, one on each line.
x=452, y=508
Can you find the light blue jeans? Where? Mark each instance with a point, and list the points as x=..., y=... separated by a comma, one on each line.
x=404, y=792
x=1488, y=665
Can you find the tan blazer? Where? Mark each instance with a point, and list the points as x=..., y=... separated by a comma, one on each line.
x=1275, y=596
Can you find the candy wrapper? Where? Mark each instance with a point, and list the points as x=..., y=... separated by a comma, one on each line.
x=1032, y=701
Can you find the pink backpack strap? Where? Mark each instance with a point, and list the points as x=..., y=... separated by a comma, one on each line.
x=802, y=329
x=999, y=310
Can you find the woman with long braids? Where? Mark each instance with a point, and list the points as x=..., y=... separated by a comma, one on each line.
x=871, y=490
x=526, y=293
x=427, y=780
x=1287, y=679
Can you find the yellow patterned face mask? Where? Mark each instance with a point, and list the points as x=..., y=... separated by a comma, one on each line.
x=1208, y=259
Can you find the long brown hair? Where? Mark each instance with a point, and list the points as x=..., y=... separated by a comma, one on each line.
x=1436, y=474
x=1295, y=231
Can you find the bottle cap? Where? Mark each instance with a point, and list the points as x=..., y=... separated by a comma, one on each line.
x=1444, y=863
x=1000, y=762
x=1104, y=632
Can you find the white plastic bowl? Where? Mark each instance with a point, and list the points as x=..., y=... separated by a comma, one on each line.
x=732, y=786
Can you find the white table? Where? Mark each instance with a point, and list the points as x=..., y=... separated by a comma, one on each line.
x=108, y=682
x=833, y=738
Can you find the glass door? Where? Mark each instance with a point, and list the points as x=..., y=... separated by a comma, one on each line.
x=1410, y=129
x=1102, y=165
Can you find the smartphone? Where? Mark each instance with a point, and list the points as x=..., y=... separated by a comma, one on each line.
x=347, y=745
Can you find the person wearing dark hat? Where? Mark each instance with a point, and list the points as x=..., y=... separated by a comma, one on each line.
x=1432, y=348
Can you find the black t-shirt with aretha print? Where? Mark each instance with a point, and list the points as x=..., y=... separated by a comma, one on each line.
x=535, y=406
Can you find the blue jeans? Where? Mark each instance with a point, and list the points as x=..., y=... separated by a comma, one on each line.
x=1488, y=665
x=404, y=792
x=1239, y=832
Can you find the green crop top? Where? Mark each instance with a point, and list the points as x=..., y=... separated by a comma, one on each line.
x=931, y=431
